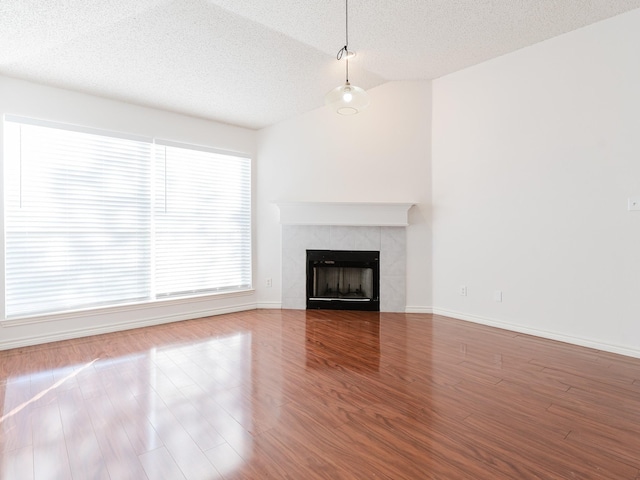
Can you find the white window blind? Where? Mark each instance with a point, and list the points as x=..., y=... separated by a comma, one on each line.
x=202, y=221
x=94, y=219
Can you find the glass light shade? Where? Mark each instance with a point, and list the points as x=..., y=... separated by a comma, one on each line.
x=347, y=99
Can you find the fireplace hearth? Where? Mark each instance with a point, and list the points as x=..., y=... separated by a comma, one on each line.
x=343, y=280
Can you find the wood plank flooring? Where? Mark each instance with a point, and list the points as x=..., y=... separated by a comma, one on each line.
x=285, y=394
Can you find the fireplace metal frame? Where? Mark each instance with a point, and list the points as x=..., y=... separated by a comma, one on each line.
x=343, y=259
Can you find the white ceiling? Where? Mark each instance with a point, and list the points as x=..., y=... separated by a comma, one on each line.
x=256, y=62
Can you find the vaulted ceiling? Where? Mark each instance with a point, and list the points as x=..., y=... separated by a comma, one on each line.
x=253, y=63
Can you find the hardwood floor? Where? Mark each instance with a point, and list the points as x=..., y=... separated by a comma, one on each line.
x=287, y=394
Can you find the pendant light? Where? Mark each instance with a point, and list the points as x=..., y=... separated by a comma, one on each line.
x=347, y=99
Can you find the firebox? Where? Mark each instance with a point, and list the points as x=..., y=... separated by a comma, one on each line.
x=343, y=280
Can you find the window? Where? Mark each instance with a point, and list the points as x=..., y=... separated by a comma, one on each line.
x=202, y=221
x=95, y=219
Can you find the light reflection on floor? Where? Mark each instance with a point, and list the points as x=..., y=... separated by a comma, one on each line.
x=41, y=394
x=95, y=419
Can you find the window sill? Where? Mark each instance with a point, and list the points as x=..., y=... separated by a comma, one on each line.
x=116, y=309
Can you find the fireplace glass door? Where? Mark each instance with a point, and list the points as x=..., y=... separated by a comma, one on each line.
x=343, y=279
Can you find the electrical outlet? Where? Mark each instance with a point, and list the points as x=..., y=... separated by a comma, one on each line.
x=463, y=290
x=497, y=295
x=269, y=283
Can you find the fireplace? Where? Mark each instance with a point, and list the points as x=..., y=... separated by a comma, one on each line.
x=343, y=280
x=390, y=241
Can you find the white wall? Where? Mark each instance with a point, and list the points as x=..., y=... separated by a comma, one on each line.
x=379, y=155
x=534, y=156
x=36, y=101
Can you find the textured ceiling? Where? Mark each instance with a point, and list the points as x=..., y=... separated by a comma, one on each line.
x=256, y=62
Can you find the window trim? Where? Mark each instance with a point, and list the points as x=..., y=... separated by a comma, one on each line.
x=200, y=148
x=77, y=128
x=127, y=307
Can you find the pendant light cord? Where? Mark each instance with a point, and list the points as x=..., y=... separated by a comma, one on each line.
x=345, y=50
x=346, y=23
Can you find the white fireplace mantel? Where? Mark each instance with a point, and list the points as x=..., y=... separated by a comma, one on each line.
x=365, y=214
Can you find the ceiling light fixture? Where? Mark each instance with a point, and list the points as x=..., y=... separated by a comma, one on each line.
x=347, y=99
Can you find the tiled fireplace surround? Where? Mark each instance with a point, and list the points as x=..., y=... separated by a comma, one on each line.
x=390, y=241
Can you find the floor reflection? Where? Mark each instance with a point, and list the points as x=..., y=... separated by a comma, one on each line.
x=175, y=407
x=44, y=392
x=351, y=342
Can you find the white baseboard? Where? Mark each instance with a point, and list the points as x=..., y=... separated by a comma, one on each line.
x=583, y=342
x=120, y=326
x=270, y=305
x=115, y=327
x=417, y=309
